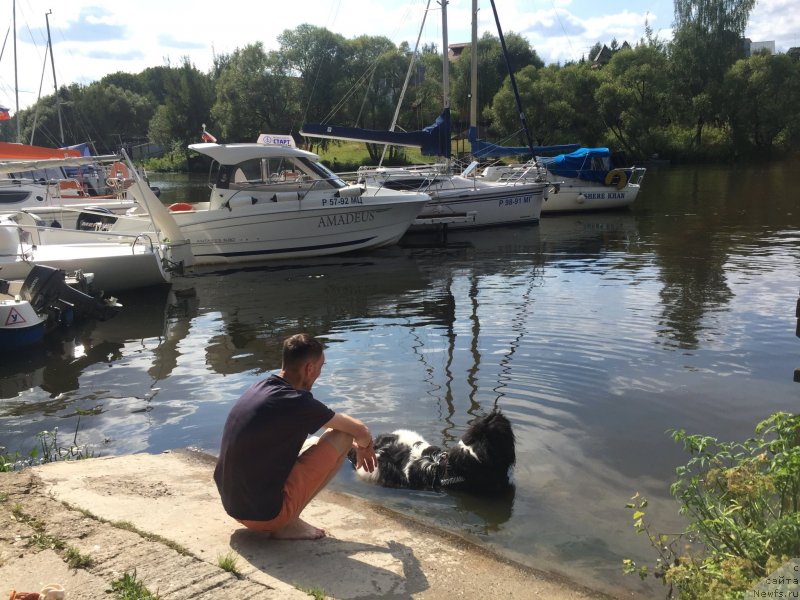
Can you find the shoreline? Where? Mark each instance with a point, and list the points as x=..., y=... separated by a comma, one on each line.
x=159, y=516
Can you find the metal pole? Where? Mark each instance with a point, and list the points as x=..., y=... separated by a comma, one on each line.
x=55, y=83
x=16, y=82
x=513, y=81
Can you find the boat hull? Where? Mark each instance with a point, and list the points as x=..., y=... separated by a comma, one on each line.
x=20, y=326
x=482, y=207
x=575, y=195
x=301, y=228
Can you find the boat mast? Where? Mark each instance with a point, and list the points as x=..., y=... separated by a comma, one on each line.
x=55, y=83
x=16, y=81
x=408, y=77
x=513, y=81
x=473, y=89
x=445, y=59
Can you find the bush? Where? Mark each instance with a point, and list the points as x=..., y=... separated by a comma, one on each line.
x=742, y=501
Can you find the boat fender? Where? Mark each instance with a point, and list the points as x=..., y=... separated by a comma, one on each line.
x=9, y=240
x=349, y=191
x=241, y=201
x=580, y=198
x=619, y=175
x=180, y=207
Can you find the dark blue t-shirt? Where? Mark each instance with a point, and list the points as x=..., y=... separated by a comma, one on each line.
x=263, y=435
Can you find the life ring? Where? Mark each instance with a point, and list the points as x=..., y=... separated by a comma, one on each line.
x=180, y=207
x=619, y=175
x=119, y=171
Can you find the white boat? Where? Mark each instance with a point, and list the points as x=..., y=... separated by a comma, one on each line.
x=44, y=301
x=462, y=202
x=457, y=201
x=276, y=201
x=35, y=179
x=584, y=180
x=116, y=261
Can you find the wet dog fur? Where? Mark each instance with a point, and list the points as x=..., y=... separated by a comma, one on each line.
x=481, y=462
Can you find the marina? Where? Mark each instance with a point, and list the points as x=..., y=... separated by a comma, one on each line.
x=594, y=333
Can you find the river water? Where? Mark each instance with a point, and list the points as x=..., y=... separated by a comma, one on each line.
x=594, y=333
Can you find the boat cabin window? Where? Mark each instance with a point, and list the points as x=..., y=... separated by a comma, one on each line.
x=39, y=175
x=281, y=171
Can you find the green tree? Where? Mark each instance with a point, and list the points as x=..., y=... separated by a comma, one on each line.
x=318, y=58
x=762, y=108
x=253, y=96
x=707, y=41
x=187, y=106
x=492, y=71
x=632, y=99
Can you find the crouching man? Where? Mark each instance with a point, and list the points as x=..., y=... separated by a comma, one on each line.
x=263, y=478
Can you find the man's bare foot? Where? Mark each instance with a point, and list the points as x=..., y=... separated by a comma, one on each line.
x=298, y=530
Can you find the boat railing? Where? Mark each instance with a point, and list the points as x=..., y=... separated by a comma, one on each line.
x=637, y=175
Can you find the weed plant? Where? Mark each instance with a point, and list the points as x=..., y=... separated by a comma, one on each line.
x=49, y=449
x=228, y=563
x=742, y=502
x=128, y=587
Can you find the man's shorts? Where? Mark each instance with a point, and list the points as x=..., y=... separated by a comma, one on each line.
x=310, y=471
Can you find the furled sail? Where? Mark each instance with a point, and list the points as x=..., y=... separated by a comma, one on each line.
x=484, y=149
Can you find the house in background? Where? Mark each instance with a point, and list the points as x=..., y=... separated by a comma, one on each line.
x=751, y=47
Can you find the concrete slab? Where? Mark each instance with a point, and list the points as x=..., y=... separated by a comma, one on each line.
x=169, y=502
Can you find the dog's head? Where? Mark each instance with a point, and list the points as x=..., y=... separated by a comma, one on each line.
x=483, y=459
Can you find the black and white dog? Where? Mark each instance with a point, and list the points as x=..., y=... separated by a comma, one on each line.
x=480, y=463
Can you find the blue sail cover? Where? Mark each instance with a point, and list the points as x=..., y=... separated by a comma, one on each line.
x=484, y=149
x=591, y=164
x=433, y=140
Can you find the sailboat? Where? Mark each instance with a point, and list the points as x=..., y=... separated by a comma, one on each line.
x=457, y=200
x=583, y=178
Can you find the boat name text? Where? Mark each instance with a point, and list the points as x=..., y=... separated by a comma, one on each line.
x=346, y=218
x=347, y=201
x=604, y=196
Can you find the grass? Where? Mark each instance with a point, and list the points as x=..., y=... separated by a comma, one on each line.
x=348, y=156
x=45, y=541
x=76, y=560
x=228, y=563
x=128, y=526
x=128, y=587
x=315, y=592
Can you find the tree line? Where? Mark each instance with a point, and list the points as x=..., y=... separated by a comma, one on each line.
x=696, y=97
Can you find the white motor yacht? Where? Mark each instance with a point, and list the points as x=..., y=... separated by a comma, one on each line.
x=274, y=201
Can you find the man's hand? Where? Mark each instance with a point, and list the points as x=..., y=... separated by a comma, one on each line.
x=365, y=457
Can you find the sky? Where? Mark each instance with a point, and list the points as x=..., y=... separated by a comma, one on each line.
x=92, y=39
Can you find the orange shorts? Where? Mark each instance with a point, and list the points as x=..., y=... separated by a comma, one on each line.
x=309, y=472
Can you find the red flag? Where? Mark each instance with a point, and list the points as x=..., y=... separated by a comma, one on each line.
x=207, y=137
x=4, y=113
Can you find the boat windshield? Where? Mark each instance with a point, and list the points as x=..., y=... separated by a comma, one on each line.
x=278, y=171
x=39, y=175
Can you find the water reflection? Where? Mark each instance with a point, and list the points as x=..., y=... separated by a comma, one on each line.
x=593, y=333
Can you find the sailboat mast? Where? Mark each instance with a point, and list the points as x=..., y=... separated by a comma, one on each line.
x=445, y=59
x=408, y=78
x=513, y=80
x=473, y=74
x=16, y=81
x=55, y=83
